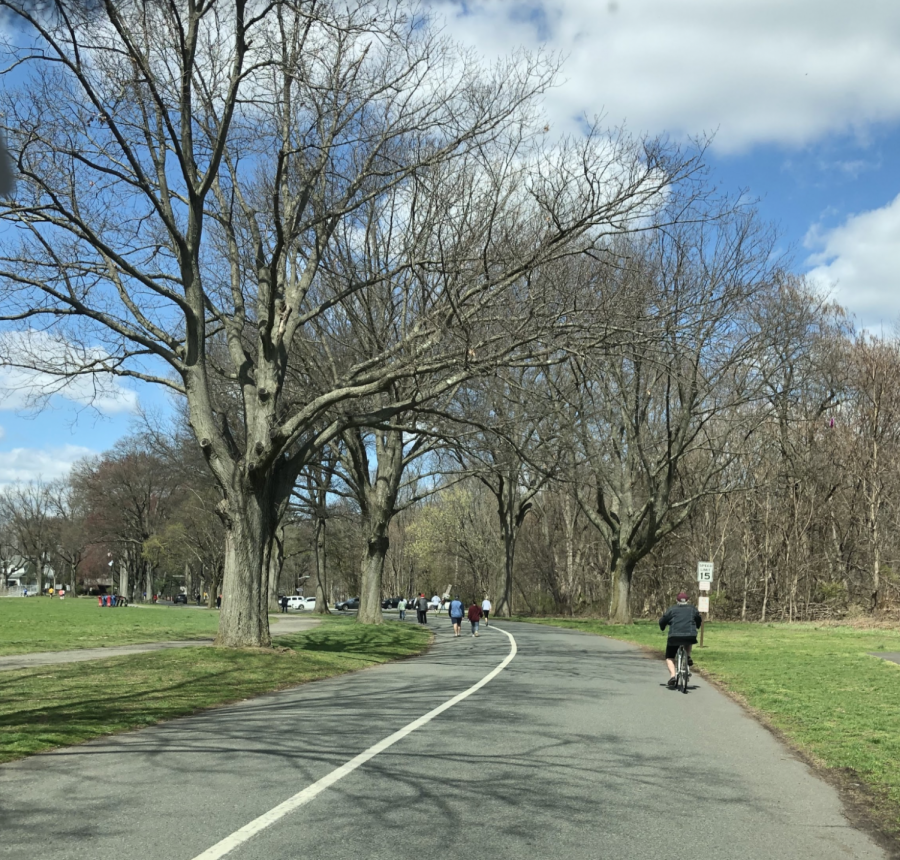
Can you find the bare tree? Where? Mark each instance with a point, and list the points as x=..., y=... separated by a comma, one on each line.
x=511, y=453
x=71, y=536
x=128, y=494
x=311, y=495
x=872, y=411
x=184, y=172
x=662, y=412
x=377, y=469
x=27, y=512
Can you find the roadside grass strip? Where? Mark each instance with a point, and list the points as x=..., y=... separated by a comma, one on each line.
x=52, y=706
x=32, y=624
x=815, y=684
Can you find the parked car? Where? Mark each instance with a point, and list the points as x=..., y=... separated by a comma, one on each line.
x=390, y=602
x=301, y=603
x=180, y=598
x=344, y=605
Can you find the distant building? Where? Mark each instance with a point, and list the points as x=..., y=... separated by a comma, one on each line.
x=17, y=575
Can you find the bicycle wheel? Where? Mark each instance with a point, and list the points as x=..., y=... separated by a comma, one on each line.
x=682, y=670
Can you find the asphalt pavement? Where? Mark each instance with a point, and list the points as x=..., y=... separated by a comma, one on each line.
x=576, y=750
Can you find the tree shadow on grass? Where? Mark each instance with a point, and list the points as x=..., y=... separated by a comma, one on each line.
x=39, y=711
x=378, y=642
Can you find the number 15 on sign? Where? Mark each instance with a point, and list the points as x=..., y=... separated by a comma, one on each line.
x=704, y=571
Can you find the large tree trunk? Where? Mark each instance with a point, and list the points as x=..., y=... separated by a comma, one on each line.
x=505, y=602
x=620, y=591
x=276, y=563
x=372, y=571
x=39, y=574
x=214, y=586
x=321, y=599
x=125, y=582
x=511, y=512
x=377, y=502
x=250, y=525
x=148, y=580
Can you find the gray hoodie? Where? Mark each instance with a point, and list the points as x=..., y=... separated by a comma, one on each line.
x=682, y=620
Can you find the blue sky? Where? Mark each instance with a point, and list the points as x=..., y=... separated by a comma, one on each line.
x=802, y=97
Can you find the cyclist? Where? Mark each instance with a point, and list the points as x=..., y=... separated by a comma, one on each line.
x=682, y=619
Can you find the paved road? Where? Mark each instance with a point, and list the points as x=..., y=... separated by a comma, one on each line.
x=281, y=627
x=574, y=751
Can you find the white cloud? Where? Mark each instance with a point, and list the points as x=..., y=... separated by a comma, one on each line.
x=29, y=464
x=758, y=71
x=858, y=262
x=30, y=359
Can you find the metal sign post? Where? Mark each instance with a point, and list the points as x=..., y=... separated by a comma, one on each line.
x=704, y=581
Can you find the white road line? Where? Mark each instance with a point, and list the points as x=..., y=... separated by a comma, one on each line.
x=229, y=843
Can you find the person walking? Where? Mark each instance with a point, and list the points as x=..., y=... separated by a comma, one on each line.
x=401, y=606
x=284, y=603
x=456, y=614
x=422, y=609
x=475, y=614
x=486, y=610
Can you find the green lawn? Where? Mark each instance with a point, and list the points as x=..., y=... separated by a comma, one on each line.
x=818, y=685
x=44, y=624
x=54, y=706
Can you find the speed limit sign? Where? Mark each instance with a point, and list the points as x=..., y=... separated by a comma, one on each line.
x=704, y=571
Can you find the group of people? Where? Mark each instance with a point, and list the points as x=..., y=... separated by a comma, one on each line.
x=682, y=619
x=456, y=610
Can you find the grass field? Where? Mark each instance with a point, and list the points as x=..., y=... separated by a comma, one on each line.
x=54, y=706
x=817, y=685
x=35, y=624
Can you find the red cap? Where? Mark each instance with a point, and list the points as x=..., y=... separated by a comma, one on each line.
x=682, y=595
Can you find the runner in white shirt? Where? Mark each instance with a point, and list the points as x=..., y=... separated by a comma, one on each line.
x=486, y=609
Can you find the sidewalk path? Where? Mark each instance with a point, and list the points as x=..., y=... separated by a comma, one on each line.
x=281, y=627
x=575, y=751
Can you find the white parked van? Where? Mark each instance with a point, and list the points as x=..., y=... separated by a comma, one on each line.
x=301, y=603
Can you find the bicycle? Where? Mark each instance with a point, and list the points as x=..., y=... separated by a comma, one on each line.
x=682, y=669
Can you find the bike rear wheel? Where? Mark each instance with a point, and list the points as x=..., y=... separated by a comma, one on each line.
x=681, y=670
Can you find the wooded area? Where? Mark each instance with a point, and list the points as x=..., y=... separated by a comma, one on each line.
x=793, y=496
x=417, y=338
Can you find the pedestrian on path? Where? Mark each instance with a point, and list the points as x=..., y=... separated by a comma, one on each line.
x=475, y=614
x=401, y=605
x=486, y=610
x=422, y=609
x=456, y=614
x=284, y=603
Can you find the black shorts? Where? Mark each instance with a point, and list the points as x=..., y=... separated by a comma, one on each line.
x=486, y=612
x=675, y=642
